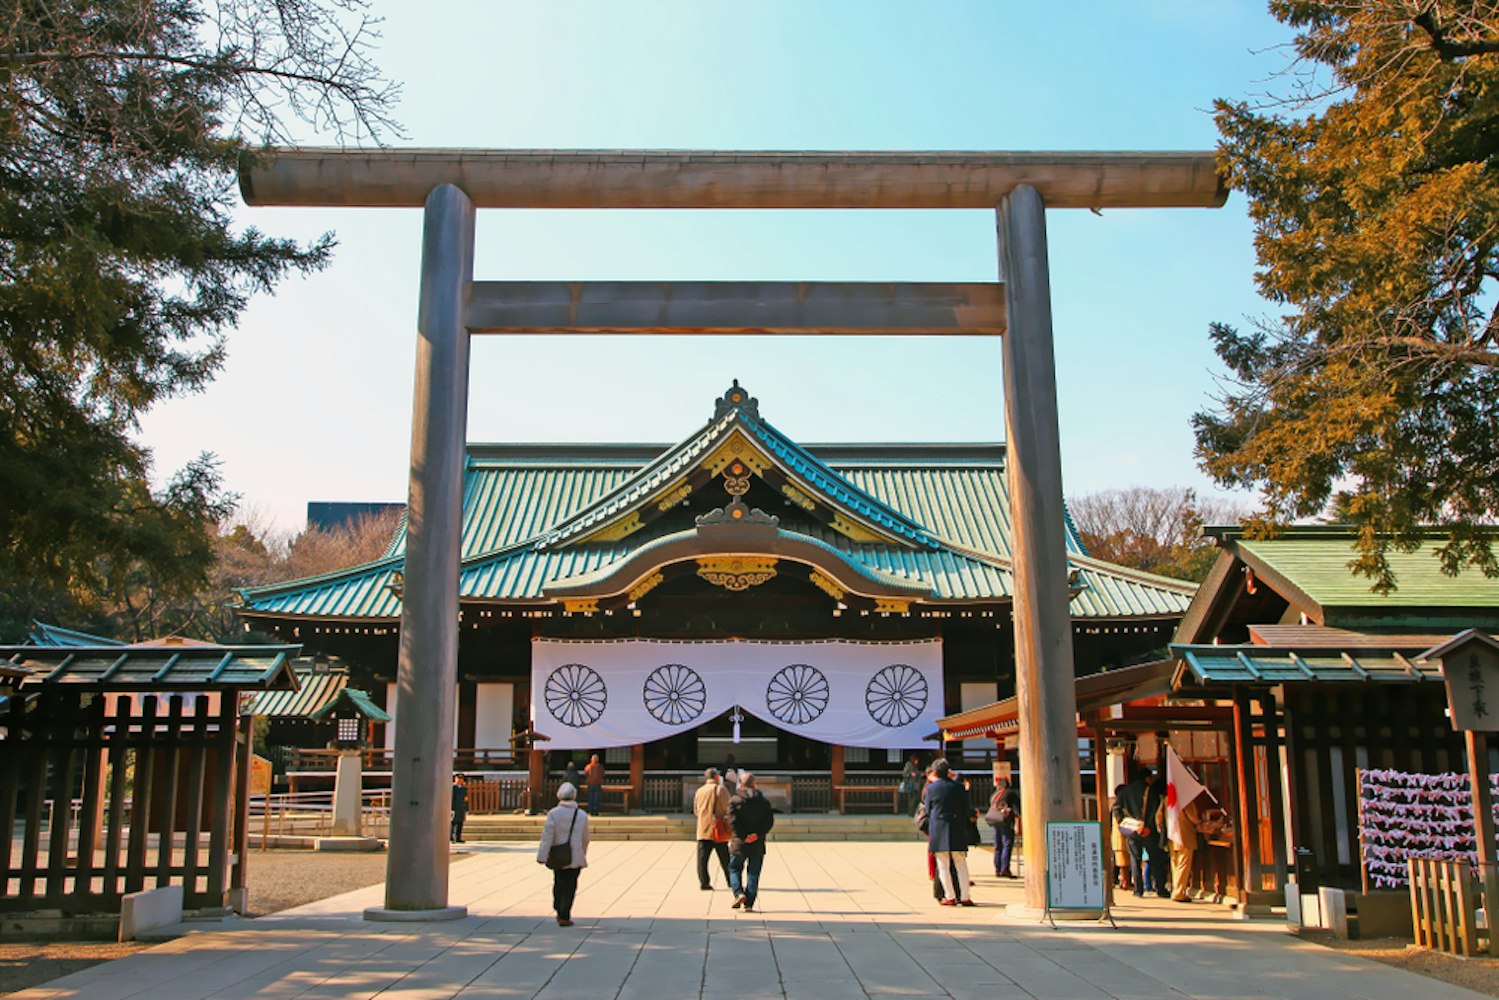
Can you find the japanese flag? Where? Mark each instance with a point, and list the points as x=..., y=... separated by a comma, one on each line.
x=1182, y=787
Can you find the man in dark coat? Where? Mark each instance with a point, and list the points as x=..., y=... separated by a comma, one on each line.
x=750, y=820
x=460, y=807
x=1135, y=809
x=948, y=812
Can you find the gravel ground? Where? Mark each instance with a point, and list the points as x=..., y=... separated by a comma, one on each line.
x=26, y=965
x=278, y=880
x=1478, y=974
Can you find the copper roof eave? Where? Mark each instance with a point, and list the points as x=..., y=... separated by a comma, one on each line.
x=619, y=577
x=1094, y=692
x=156, y=668
x=242, y=611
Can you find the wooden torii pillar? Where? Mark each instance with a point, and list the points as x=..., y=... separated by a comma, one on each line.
x=451, y=184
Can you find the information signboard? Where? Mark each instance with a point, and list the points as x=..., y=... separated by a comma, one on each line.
x=260, y=775
x=1074, y=866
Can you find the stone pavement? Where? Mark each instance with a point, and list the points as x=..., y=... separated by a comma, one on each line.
x=840, y=921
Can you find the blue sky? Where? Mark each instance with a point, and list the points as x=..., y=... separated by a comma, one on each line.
x=315, y=402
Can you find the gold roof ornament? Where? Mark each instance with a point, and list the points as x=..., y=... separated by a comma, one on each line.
x=736, y=573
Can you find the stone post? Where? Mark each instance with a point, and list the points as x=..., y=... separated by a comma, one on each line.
x=416, y=884
x=348, y=794
x=1050, y=787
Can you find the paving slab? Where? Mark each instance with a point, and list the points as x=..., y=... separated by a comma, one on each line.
x=836, y=921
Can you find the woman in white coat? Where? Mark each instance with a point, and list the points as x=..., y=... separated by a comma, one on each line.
x=566, y=824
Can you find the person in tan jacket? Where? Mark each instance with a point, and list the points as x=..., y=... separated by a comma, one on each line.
x=710, y=804
x=1183, y=851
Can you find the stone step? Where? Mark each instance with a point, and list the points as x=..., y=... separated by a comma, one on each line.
x=676, y=827
x=517, y=836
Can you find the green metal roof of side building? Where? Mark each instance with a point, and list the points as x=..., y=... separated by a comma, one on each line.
x=1317, y=565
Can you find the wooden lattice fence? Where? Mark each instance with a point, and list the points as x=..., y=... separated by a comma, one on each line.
x=104, y=795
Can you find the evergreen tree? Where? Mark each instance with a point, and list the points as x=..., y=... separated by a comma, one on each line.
x=1374, y=191
x=122, y=126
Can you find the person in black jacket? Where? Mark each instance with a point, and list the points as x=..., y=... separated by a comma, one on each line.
x=948, y=812
x=1135, y=809
x=750, y=820
x=460, y=807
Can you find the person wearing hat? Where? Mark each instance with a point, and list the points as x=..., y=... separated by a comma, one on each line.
x=948, y=810
x=565, y=824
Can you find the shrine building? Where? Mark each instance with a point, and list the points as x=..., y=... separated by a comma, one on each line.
x=811, y=610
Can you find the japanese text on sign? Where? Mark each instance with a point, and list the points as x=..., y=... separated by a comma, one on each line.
x=1074, y=876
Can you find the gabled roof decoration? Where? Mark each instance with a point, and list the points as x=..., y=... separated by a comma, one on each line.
x=741, y=444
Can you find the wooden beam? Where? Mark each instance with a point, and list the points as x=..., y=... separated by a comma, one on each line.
x=568, y=178
x=737, y=307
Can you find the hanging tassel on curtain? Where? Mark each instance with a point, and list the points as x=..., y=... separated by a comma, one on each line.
x=736, y=718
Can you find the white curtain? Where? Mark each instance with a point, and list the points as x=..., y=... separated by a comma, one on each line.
x=493, y=715
x=603, y=693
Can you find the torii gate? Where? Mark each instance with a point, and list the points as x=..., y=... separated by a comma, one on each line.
x=451, y=184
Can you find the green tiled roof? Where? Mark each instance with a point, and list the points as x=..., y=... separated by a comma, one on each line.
x=799, y=463
x=319, y=691
x=527, y=507
x=158, y=668
x=1317, y=565
x=1260, y=665
x=43, y=634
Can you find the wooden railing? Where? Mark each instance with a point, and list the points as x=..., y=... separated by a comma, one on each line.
x=498, y=795
x=1445, y=900
x=310, y=814
x=811, y=793
x=379, y=758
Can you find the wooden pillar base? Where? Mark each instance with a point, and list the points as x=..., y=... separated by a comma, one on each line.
x=536, y=780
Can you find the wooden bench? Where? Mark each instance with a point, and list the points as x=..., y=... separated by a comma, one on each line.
x=842, y=791
x=625, y=792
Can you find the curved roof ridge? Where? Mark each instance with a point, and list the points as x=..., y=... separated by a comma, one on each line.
x=638, y=484
x=266, y=589
x=1130, y=573
x=890, y=517
x=677, y=539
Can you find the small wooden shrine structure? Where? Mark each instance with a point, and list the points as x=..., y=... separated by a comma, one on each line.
x=124, y=768
x=1324, y=678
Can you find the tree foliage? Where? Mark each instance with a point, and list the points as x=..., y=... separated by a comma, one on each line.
x=122, y=125
x=1158, y=530
x=1373, y=186
x=250, y=553
x=247, y=551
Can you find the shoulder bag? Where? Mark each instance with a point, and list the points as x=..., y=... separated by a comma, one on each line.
x=999, y=815
x=561, y=855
